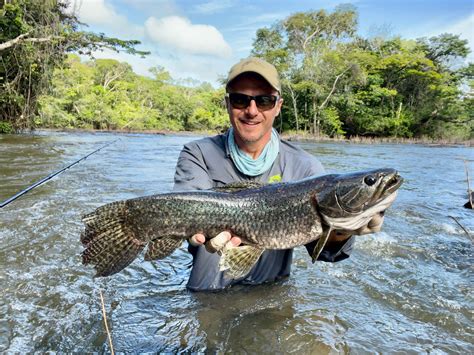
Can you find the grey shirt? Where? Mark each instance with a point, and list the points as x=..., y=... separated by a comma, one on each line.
x=206, y=163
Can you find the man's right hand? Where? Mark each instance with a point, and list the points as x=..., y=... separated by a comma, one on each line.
x=222, y=240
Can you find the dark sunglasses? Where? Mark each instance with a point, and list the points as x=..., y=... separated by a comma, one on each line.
x=241, y=101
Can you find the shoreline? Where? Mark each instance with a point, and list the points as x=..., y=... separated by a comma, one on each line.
x=290, y=136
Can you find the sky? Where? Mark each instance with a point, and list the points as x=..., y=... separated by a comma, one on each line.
x=203, y=39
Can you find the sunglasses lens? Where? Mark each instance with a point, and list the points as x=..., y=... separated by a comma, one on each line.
x=265, y=102
x=241, y=101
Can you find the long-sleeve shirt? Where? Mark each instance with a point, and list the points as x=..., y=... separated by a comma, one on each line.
x=207, y=163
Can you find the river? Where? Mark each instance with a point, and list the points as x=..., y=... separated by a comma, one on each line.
x=405, y=289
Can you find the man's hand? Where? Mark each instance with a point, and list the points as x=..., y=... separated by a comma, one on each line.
x=373, y=226
x=222, y=240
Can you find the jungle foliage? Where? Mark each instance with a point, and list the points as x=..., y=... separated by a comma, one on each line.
x=35, y=37
x=107, y=94
x=335, y=83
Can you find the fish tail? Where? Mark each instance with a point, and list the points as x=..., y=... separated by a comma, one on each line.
x=110, y=244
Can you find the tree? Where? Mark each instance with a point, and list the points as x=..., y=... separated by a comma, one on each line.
x=308, y=50
x=35, y=37
x=109, y=70
x=444, y=49
x=107, y=94
x=161, y=74
x=335, y=82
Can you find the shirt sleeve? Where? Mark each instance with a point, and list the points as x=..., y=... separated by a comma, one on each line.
x=315, y=168
x=333, y=252
x=191, y=171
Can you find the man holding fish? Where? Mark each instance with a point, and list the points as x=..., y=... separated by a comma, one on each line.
x=251, y=150
x=243, y=199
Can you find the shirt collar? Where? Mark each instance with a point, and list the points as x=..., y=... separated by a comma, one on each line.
x=226, y=144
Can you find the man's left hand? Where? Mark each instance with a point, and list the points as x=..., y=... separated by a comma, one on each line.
x=373, y=226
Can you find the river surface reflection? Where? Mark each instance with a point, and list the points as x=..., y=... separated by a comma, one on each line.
x=405, y=289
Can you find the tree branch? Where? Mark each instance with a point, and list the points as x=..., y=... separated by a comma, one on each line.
x=114, y=76
x=21, y=38
x=309, y=38
x=13, y=41
x=295, y=107
x=332, y=89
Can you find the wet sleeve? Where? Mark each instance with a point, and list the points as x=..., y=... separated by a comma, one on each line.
x=335, y=251
x=315, y=168
x=191, y=171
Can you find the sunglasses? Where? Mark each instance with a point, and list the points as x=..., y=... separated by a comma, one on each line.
x=241, y=101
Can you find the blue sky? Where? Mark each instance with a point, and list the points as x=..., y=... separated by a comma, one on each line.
x=202, y=39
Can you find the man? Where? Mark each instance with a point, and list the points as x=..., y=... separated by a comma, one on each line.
x=250, y=150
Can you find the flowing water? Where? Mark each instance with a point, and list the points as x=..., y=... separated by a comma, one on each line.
x=405, y=289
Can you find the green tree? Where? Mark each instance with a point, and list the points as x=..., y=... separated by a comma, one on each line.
x=335, y=82
x=34, y=39
x=309, y=51
x=444, y=49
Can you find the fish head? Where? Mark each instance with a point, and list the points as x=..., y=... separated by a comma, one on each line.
x=350, y=201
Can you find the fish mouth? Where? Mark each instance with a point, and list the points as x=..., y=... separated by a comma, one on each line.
x=392, y=183
x=388, y=185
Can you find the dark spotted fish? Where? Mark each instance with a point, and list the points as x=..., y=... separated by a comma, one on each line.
x=275, y=216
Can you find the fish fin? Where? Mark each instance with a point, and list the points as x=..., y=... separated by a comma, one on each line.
x=320, y=244
x=239, y=186
x=238, y=261
x=110, y=244
x=161, y=248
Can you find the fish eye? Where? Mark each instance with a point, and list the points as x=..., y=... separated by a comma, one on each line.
x=370, y=180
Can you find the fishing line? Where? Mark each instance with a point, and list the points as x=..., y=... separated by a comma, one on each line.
x=50, y=176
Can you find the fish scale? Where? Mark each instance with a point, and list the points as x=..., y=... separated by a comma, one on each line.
x=184, y=214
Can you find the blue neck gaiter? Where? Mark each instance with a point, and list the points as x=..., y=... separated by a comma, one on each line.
x=249, y=166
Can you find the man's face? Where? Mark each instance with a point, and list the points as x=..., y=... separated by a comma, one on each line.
x=252, y=126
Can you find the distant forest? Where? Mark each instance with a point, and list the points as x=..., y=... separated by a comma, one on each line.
x=335, y=83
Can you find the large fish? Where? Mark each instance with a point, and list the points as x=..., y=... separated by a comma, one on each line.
x=274, y=216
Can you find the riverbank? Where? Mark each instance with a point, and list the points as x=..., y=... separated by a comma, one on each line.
x=379, y=140
x=290, y=136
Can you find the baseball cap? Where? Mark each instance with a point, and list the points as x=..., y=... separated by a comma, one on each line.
x=256, y=65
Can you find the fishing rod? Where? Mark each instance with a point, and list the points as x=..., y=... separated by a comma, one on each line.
x=50, y=176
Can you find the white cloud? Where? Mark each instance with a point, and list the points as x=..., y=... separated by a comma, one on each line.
x=184, y=49
x=464, y=28
x=180, y=66
x=101, y=13
x=213, y=6
x=179, y=33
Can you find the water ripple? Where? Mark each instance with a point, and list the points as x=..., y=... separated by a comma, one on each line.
x=405, y=289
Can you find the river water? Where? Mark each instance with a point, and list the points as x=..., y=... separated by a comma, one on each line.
x=405, y=289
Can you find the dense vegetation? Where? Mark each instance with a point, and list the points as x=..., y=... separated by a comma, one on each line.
x=107, y=94
x=335, y=83
x=35, y=37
